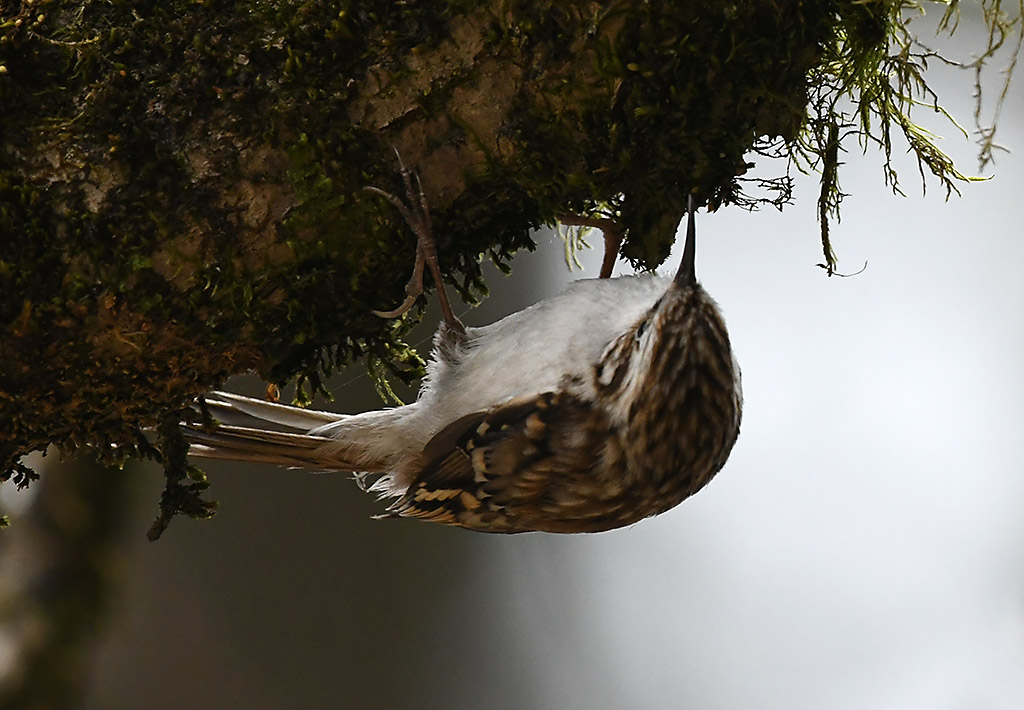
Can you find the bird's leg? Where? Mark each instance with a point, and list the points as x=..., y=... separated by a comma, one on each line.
x=613, y=234
x=416, y=213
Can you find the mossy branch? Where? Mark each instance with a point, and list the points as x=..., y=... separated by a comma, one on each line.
x=181, y=184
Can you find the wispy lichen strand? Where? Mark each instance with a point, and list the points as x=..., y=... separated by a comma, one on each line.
x=871, y=79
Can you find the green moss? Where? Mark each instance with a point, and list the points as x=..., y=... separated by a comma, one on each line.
x=871, y=81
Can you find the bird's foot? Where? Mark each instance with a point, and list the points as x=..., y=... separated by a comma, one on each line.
x=416, y=212
x=613, y=233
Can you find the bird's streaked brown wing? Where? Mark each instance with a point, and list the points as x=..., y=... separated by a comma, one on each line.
x=509, y=469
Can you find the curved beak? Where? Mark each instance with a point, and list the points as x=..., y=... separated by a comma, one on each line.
x=687, y=275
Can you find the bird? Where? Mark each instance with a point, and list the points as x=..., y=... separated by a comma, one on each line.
x=588, y=411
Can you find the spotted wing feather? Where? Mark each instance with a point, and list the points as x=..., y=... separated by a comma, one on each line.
x=508, y=469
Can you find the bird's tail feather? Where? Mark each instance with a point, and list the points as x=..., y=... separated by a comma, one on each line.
x=236, y=443
x=253, y=430
x=236, y=410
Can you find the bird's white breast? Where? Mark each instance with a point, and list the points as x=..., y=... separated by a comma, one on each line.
x=535, y=349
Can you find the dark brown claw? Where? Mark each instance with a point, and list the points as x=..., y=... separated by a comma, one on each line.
x=416, y=213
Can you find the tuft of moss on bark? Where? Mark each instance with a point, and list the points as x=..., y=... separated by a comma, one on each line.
x=181, y=183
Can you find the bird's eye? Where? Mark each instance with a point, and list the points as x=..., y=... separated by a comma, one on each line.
x=639, y=333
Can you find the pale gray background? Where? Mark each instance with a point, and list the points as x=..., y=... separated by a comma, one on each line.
x=862, y=549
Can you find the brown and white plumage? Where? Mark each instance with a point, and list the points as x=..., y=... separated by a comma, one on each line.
x=608, y=403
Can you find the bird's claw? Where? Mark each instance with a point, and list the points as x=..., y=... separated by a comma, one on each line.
x=400, y=311
x=416, y=212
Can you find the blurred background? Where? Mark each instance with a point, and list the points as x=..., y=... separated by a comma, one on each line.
x=863, y=547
